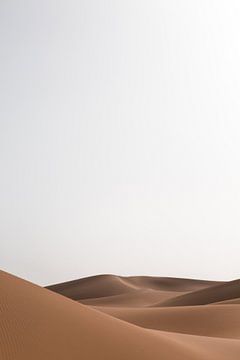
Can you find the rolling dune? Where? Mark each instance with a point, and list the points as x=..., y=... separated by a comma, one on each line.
x=40, y=324
x=215, y=321
x=231, y=302
x=170, y=284
x=226, y=291
x=139, y=297
x=109, y=285
x=95, y=286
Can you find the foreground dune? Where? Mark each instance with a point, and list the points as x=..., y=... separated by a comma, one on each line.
x=39, y=324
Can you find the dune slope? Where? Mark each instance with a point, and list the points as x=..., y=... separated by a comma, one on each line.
x=215, y=321
x=106, y=285
x=226, y=291
x=94, y=286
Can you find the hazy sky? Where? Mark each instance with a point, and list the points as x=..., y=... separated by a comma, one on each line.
x=120, y=138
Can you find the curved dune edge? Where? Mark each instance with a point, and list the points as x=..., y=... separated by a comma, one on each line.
x=226, y=291
x=137, y=298
x=110, y=285
x=235, y=301
x=212, y=321
x=93, y=287
x=39, y=324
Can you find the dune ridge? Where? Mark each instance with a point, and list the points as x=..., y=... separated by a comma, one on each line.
x=108, y=285
x=39, y=323
x=212, y=321
x=221, y=292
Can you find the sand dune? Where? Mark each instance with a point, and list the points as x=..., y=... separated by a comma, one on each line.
x=226, y=302
x=40, y=324
x=136, y=298
x=94, y=286
x=226, y=291
x=170, y=284
x=109, y=285
x=216, y=321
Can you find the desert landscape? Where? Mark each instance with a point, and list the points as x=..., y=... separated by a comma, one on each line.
x=114, y=317
x=119, y=186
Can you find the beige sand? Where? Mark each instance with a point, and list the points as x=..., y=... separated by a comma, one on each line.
x=36, y=323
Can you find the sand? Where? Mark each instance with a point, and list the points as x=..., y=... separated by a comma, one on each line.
x=112, y=317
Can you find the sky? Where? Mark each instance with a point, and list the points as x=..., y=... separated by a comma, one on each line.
x=119, y=138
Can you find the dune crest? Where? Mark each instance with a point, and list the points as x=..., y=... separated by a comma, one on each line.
x=226, y=291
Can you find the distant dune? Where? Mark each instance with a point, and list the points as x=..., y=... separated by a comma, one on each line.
x=110, y=317
x=220, y=292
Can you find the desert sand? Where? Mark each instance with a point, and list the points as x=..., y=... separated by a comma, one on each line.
x=112, y=317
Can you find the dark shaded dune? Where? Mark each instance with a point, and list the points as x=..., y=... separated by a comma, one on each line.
x=226, y=291
x=135, y=298
x=110, y=285
x=228, y=302
x=170, y=284
x=215, y=321
x=93, y=287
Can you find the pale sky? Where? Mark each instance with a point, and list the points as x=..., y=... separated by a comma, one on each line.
x=120, y=138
